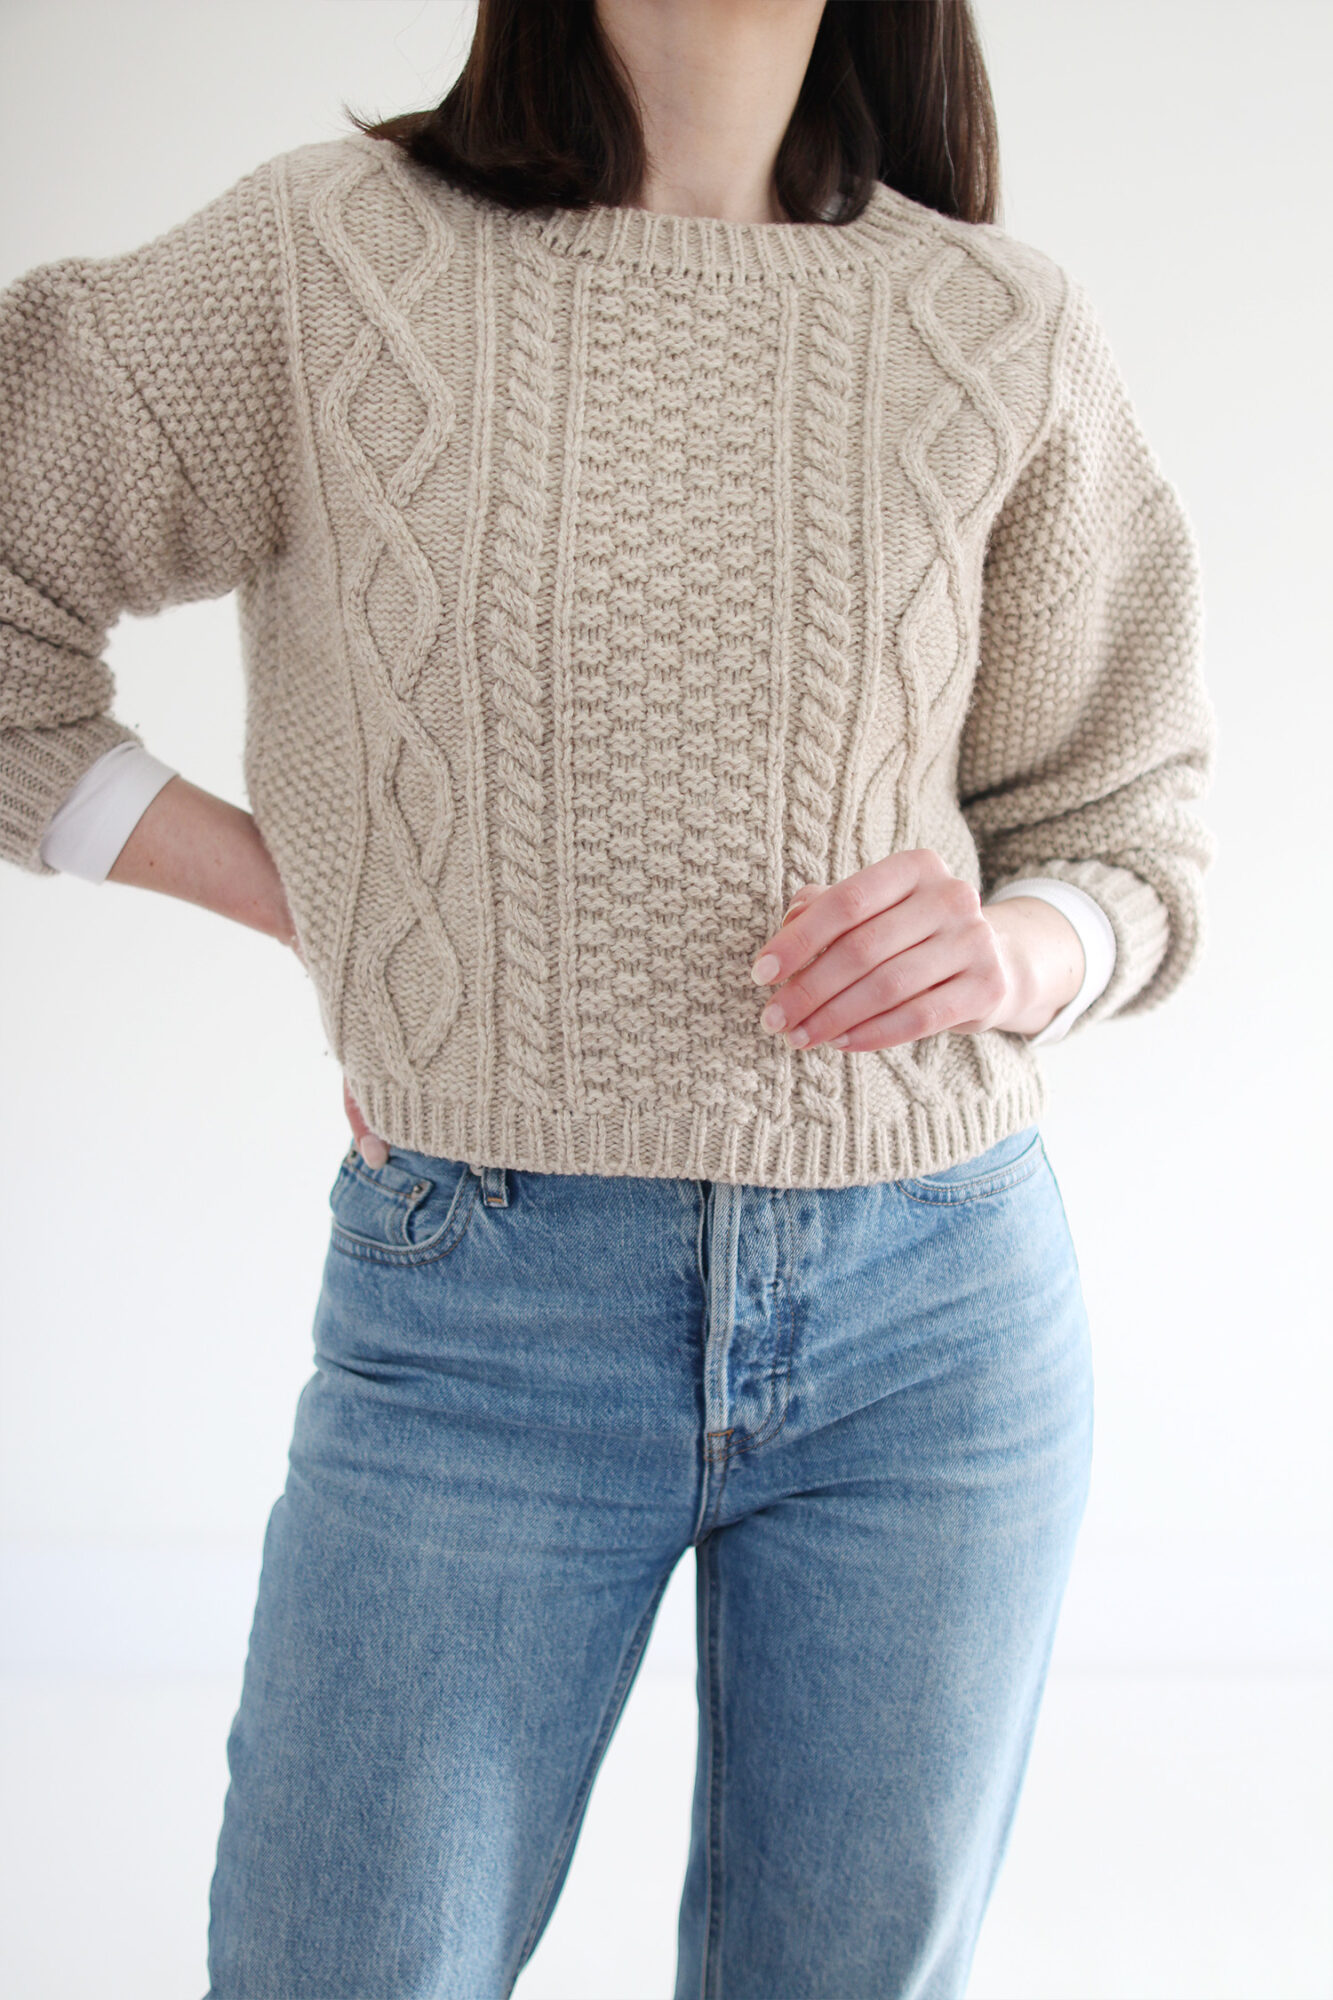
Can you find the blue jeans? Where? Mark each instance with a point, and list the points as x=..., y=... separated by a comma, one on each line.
x=867, y=1409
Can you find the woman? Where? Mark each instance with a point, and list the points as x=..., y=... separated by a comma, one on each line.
x=689, y=555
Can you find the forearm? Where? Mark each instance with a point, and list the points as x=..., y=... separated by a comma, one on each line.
x=191, y=844
x=1043, y=959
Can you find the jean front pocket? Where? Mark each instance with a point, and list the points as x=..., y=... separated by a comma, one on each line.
x=412, y=1210
x=1004, y=1165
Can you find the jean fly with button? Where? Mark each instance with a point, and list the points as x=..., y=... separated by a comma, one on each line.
x=869, y=1412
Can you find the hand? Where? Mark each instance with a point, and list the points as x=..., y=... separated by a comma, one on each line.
x=905, y=949
x=371, y=1147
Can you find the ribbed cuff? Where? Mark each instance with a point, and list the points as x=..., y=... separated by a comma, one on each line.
x=38, y=770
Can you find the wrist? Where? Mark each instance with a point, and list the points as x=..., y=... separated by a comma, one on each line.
x=203, y=849
x=1042, y=956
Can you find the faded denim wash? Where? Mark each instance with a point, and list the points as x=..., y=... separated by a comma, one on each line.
x=867, y=1409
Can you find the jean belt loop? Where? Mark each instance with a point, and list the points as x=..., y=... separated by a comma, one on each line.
x=495, y=1187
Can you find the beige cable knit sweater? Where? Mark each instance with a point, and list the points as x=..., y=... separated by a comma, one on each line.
x=602, y=578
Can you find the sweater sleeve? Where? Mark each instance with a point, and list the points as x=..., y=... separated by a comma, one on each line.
x=145, y=459
x=1090, y=730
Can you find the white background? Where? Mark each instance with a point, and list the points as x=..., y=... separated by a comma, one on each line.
x=172, y=1120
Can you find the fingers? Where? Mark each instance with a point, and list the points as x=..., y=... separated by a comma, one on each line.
x=900, y=951
x=951, y=1005
x=369, y=1144
x=830, y=912
x=800, y=901
x=856, y=958
x=886, y=988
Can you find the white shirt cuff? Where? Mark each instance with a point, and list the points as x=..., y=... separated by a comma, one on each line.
x=100, y=812
x=1097, y=937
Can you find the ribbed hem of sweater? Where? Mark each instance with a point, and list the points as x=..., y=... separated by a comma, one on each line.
x=38, y=769
x=698, y=1145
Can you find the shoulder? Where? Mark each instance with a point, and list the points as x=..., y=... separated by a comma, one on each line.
x=344, y=181
x=989, y=308
x=975, y=255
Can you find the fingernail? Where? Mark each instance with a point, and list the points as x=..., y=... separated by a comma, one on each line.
x=373, y=1150
x=841, y=1041
x=765, y=970
x=798, y=1038
x=772, y=1017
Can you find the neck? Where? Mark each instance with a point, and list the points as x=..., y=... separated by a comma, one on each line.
x=716, y=82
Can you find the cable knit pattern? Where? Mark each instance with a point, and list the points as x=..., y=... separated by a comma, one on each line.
x=820, y=734
x=601, y=578
x=395, y=730
x=959, y=454
x=518, y=693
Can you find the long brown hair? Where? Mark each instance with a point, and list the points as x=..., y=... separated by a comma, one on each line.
x=543, y=113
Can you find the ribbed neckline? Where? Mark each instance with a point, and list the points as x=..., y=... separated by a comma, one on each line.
x=890, y=225
x=703, y=246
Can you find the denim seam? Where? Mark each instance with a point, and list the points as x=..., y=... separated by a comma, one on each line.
x=1055, y=1182
x=782, y=1357
x=351, y=1245
x=710, y=1958
x=710, y=1497
x=354, y=1170
x=615, y=1704
x=946, y=1192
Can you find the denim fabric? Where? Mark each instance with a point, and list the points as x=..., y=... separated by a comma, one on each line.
x=868, y=1410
